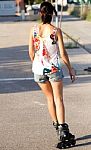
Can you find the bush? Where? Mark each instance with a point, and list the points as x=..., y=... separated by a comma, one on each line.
x=80, y=11
x=84, y=11
x=88, y=16
x=75, y=13
x=74, y=10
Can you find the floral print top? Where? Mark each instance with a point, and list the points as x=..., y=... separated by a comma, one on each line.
x=46, y=60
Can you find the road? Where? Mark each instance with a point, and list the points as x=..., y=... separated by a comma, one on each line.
x=25, y=123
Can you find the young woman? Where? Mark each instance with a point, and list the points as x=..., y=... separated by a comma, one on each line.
x=45, y=43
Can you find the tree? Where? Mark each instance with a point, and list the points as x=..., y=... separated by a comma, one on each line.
x=40, y=1
x=31, y=2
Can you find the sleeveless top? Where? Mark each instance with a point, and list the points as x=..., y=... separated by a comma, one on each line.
x=46, y=60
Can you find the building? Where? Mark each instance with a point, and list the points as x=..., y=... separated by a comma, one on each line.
x=10, y=7
x=7, y=7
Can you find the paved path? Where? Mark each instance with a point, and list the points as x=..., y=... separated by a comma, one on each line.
x=80, y=60
x=78, y=29
x=24, y=120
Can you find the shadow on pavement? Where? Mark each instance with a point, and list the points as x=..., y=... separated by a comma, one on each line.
x=84, y=138
x=15, y=63
x=15, y=86
x=66, y=18
x=80, y=80
x=9, y=19
x=18, y=86
x=70, y=18
x=88, y=47
x=17, y=53
x=19, y=19
x=82, y=144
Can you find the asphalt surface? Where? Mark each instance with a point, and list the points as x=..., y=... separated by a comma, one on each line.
x=25, y=123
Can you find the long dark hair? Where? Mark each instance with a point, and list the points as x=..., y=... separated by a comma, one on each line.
x=46, y=10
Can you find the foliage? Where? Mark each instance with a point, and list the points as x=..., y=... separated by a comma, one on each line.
x=89, y=16
x=83, y=11
x=40, y=1
x=31, y=2
x=75, y=11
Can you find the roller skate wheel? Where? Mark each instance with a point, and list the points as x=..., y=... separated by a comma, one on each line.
x=61, y=145
x=73, y=142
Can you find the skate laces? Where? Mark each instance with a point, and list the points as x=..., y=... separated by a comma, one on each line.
x=63, y=129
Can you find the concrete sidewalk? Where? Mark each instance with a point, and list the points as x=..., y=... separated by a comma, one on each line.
x=80, y=60
x=77, y=29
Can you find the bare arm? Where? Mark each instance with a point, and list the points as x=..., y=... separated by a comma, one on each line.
x=31, y=47
x=64, y=55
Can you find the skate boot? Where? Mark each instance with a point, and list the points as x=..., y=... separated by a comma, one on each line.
x=66, y=139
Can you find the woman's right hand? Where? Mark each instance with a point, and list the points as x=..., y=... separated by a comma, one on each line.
x=72, y=74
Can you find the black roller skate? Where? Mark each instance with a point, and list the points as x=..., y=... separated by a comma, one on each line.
x=66, y=139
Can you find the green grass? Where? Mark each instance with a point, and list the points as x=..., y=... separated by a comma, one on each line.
x=71, y=45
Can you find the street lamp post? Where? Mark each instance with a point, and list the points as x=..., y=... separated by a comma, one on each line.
x=61, y=14
x=56, y=6
x=51, y=1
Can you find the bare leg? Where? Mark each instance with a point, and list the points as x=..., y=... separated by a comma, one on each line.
x=47, y=89
x=58, y=98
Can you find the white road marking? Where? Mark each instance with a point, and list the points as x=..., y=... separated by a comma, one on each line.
x=21, y=79
x=38, y=103
x=15, y=79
